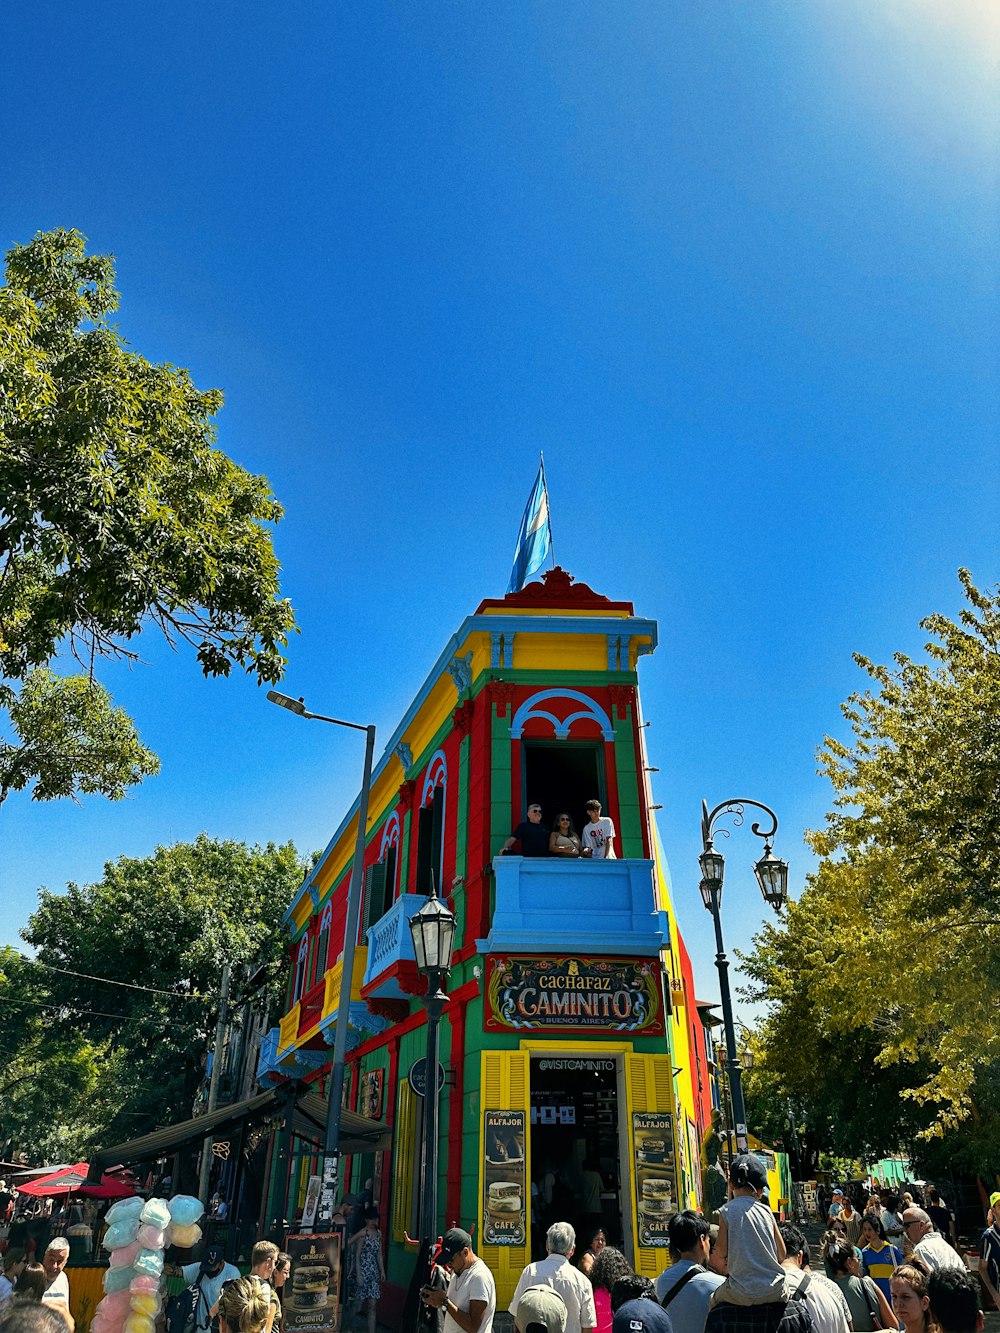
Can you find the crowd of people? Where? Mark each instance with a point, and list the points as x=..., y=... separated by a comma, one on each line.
x=750, y=1274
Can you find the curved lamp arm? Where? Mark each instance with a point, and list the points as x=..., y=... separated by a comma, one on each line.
x=737, y=808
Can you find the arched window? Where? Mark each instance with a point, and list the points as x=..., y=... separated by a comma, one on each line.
x=301, y=963
x=323, y=944
x=430, y=825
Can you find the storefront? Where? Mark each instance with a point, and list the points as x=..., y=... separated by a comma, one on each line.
x=571, y=1082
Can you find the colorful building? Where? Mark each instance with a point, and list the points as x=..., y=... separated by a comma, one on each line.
x=572, y=1040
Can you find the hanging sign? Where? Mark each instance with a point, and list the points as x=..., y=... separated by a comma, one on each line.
x=558, y=994
x=655, y=1174
x=417, y=1076
x=504, y=1178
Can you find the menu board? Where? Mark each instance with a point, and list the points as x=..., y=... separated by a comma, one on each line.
x=504, y=1178
x=655, y=1174
x=312, y=1290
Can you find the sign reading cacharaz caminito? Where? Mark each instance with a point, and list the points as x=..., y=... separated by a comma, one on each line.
x=529, y=993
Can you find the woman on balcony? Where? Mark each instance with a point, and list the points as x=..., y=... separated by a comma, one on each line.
x=563, y=840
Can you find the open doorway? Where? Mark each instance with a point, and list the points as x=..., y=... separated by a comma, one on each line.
x=575, y=1148
x=563, y=775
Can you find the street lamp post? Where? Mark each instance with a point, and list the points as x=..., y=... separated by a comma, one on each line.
x=335, y=1090
x=772, y=876
x=433, y=931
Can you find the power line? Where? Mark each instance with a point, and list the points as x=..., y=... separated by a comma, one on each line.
x=110, y=981
x=38, y=1004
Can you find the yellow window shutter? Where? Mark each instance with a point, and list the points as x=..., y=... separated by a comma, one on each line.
x=650, y=1088
x=403, y=1163
x=505, y=1087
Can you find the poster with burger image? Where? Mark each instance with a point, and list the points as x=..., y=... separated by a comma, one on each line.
x=655, y=1175
x=312, y=1292
x=504, y=1178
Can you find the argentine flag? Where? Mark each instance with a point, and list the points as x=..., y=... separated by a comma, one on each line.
x=535, y=538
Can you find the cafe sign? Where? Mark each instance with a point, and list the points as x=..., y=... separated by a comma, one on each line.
x=535, y=993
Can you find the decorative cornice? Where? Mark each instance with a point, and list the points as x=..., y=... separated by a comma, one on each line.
x=407, y=792
x=621, y=697
x=558, y=588
x=502, y=693
x=462, y=717
x=405, y=755
x=393, y=1011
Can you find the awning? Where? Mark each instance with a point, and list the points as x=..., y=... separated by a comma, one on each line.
x=357, y=1134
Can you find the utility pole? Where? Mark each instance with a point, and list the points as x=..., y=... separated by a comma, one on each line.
x=213, y=1083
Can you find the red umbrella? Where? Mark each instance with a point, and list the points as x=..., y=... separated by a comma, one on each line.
x=72, y=1180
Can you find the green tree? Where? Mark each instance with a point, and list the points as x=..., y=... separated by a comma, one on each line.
x=164, y=924
x=880, y=977
x=116, y=513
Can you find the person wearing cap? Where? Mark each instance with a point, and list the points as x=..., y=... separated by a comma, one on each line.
x=470, y=1301
x=209, y=1274
x=989, y=1251
x=540, y=1310
x=686, y=1287
x=836, y=1205
x=642, y=1315
x=556, y=1271
x=749, y=1249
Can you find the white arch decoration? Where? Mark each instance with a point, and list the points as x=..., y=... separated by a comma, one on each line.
x=591, y=710
x=390, y=835
x=437, y=776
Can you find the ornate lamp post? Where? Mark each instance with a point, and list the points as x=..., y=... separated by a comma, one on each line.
x=433, y=931
x=772, y=876
x=335, y=1090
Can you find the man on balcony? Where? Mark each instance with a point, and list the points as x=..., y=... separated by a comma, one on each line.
x=531, y=834
x=598, y=834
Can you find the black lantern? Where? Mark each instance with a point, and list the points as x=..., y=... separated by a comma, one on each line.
x=433, y=931
x=772, y=876
x=713, y=867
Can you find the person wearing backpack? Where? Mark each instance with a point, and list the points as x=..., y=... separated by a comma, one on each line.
x=685, y=1288
x=191, y=1310
x=823, y=1298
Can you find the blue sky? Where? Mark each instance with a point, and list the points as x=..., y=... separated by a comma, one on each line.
x=732, y=266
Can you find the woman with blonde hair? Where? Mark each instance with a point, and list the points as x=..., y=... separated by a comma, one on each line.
x=244, y=1305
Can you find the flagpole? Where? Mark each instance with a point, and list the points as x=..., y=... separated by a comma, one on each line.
x=548, y=508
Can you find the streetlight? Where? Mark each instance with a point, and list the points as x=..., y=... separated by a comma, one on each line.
x=433, y=931
x=772, y=876
x=335, y=1091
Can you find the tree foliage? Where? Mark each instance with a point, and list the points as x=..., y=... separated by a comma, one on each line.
x=116, y=512
x=880, y=979
x=165, y=924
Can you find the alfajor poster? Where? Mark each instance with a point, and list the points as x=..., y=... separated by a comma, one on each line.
x=312, y=1289
x=655, y=1174
x=504, y=1178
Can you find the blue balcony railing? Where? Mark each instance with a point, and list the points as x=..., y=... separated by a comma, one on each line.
x=389, y=942
x=586, y=907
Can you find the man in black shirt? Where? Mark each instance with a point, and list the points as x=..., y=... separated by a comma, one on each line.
x=532, y=835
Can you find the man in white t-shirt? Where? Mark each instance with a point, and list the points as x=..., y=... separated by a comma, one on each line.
x=56, y=1281
x=471, y=1299
x=598, y=836
x=823, y=1298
